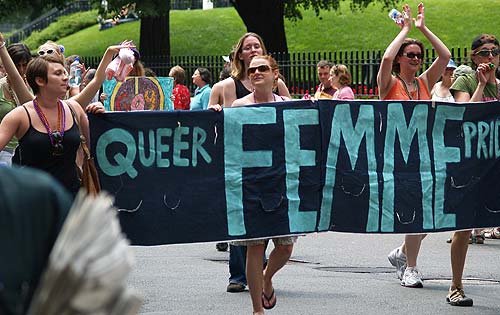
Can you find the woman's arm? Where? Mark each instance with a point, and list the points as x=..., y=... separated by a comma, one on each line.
x=84, y=97
x=384, y=76
x=435, y=71
x=16, y=81
x=283, y=89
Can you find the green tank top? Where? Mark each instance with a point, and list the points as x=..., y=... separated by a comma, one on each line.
x=5, y=107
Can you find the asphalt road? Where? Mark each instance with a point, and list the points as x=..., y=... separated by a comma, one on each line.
x=329, y=273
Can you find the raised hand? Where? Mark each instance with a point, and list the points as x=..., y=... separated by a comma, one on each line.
x=420, y=20
x=406, y=17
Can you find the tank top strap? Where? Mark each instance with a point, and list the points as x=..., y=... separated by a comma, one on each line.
x=29, y=117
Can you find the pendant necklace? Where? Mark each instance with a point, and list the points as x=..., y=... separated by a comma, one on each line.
x=408, y=90
x=61, y=120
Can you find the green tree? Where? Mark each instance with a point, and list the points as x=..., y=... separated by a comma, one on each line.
x=155, y=28
x=266, y=17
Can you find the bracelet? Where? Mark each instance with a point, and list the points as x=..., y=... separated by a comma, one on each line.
x=3, y=45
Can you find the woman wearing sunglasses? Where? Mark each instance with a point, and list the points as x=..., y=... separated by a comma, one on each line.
x=404, y=57
x=45, y=125
x=480, y=86
x=263, y=73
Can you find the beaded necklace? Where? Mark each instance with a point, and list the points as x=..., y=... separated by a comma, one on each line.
x=415, y=81
x=61, y=120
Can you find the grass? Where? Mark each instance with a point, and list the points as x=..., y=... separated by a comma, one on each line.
x=213, y=32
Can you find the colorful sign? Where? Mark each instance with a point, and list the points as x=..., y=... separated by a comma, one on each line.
x=139, y=93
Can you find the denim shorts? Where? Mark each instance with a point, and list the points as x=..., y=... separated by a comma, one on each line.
x=6, y=158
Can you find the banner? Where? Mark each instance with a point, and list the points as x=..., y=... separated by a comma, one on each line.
x=298, y=167
x=139, y=93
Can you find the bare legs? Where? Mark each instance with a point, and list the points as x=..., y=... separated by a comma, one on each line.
x=260, y=280
x=459, y=246
x=411, y=247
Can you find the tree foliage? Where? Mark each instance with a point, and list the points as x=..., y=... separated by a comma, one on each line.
x=293, y=8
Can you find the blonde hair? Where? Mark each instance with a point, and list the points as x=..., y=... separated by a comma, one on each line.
x=238, y=71
x=343, y=73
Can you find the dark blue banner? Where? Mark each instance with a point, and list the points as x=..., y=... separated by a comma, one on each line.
x=299, y=167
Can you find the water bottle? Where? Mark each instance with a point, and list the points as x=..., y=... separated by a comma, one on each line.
x=396, y=16
x=75, y=73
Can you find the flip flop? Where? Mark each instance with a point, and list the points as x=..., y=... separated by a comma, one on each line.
x=268, y=299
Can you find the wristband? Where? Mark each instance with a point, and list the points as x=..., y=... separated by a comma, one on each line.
x=2, y=45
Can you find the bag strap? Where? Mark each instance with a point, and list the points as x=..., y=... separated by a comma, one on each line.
x=83, y=140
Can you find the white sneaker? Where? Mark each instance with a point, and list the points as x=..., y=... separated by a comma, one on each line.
x=412, y=278
x=398, y=259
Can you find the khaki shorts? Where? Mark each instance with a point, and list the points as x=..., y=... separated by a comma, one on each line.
x=285, y=240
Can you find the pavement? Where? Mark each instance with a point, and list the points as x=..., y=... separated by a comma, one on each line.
x=329, y=273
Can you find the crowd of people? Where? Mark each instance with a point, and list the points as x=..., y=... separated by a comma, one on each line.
x=41, y=121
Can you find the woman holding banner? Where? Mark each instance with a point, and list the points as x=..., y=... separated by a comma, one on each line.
x=404, y=57
x=263, y=74
x=46, y=126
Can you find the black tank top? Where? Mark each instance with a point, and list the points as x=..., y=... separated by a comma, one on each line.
x=241, y=90
x=35, y=150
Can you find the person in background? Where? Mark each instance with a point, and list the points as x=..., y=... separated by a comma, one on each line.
x=325, y=89
x=180, y=94
x=404, y=57
x=148, y=72
x=20, y=56
x=249, y=45
x=217, y=93
x=202, y=79
x=89, y=76
x=2, y=71
x=340, y=77
x=441, y=91
x=52, y=48
x=263, y=73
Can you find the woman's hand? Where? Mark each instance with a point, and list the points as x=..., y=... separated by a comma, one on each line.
x=406, y=18
x=215, y=107
x=484, y=72
x=95, y=108
x=115, y=49
x=420, y=20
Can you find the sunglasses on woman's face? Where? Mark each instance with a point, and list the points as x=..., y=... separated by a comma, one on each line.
x=261, y=68
x=48, y=52
x=486, y=52
x=413, y=55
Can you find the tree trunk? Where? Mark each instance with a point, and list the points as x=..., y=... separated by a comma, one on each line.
x=266, y=18
x=155, y=34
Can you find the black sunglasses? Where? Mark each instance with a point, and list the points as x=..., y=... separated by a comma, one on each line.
x=57, y=146
x=48, y=52
x=413, y=55
x=486, y=53
x=261, y=68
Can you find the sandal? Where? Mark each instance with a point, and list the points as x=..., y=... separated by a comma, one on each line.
x=492, y=233
x=270, y=300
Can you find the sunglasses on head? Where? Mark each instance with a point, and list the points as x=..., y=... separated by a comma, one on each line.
x=48, y=52
x=261, y=68
x=57, y=146
x=413, y=55
x=486, y=52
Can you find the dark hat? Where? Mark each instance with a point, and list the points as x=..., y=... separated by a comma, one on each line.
x=484, y=39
